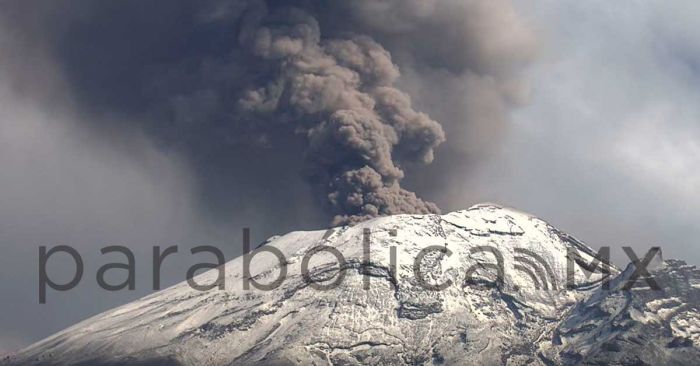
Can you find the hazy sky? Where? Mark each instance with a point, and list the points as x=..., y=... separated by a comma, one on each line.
x=609, y=147
x=583, y=113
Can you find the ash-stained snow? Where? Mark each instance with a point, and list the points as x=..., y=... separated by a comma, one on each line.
x=526, y=317
x=640, y=326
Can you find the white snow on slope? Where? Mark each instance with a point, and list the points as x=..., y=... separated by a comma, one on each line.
x=476, y=319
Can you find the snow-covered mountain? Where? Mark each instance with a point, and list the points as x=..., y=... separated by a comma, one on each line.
x=508, y=304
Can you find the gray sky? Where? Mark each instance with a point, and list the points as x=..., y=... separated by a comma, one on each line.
x=593, y=124
x=609, y=146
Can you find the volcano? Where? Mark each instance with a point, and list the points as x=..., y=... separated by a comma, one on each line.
x=487, y=285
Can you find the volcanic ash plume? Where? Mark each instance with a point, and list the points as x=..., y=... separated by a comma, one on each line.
x=252, y=92
x=340, y=95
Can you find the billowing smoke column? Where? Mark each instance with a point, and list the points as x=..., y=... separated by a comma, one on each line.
x=254, y=92
x=339, y=94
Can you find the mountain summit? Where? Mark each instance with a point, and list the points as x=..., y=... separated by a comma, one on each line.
x=487, y=285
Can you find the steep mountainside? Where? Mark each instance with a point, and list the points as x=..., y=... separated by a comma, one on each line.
x=508, y=303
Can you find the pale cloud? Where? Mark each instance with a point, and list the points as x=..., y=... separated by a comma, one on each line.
x=665, y=158
x=608, y=147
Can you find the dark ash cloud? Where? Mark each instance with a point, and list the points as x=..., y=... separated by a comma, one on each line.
x=339, y=95
x=312, y=87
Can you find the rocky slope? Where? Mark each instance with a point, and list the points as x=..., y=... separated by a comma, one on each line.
x=507, y=303
x=639, y=326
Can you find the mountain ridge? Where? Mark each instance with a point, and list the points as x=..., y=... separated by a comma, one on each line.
x=509, y=301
